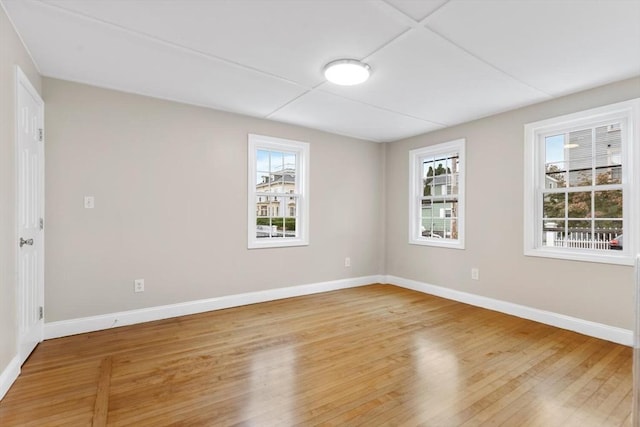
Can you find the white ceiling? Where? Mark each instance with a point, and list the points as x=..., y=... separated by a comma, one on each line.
x=435, y=63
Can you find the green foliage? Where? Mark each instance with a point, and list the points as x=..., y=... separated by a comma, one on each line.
x=440, y=170
x=290, y=223
x=607, y=204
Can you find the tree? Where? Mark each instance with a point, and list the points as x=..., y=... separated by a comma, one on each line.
x=607, y=203
x=440, y=170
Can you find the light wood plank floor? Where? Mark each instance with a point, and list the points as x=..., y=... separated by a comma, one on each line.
x=373, y=356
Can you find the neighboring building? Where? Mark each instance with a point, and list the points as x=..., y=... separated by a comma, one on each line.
x=580, y=151
x=439, y=212
x=279, y=182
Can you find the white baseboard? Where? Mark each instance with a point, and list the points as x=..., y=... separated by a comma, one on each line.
x=9, y=375
x=112, y=320
x=586, y=327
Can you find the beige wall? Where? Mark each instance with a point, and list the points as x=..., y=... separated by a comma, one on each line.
x=494, y=222
x=170, y=185
x=12, y=53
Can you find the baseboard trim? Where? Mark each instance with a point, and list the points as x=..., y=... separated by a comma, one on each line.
x=106, y=321
x=586, y=327
x=9, y=375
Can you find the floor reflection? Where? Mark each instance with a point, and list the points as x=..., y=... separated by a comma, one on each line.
x=272, y=383
x=437, y=371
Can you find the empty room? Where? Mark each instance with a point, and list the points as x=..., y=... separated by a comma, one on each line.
x=319, y=212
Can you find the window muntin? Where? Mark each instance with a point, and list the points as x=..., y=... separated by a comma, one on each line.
x=436, y=195
x=578, y=185
x=278, y=188
x=582, y=190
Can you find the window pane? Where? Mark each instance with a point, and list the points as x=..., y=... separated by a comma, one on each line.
x=277, y=161
x=554, y=205
x=554, y=149
x=292, y=208
x=290, y=172
x=262, y=206
x=608, y=204
x=609, y=174
x=553, y=232
x=264, y=227
x=579, y=204
x=606, y=231
x=289, y=227
x=581, y=226
x=262, y=161
x=580, y=172
x=262, y=182
x=426, y=214
x=555, y=175
x=579, y=153
x=455, y=179
x=608, y=148
x=427, y=176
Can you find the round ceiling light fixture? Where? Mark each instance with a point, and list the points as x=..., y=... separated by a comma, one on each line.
x=347, y=72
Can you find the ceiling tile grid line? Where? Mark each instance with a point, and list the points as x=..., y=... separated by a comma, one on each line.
x=381, y=108
x=407, y=20
x=170, y=44
x=435, y=63
x=414, y=25
x=479, y=58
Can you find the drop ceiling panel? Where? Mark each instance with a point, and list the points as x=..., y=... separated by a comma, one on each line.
x=417, y=9
x=89, y=52
x=316, y=109
x=291, y=39
x=465, y=60
x=556, y=46
x=424, y=76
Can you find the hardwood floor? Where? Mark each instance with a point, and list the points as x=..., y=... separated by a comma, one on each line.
x=375, y=355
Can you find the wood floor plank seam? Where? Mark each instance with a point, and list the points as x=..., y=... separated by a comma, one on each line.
x=101, y=406
x=373, y=355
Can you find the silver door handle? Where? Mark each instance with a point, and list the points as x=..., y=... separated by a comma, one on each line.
x=25, y=242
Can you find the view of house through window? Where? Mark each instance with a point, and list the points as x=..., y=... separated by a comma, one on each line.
x=580, y=175
x=278, y=187
x=440, y=196
x=436, y=204
x=276, y=197
x=582, y=195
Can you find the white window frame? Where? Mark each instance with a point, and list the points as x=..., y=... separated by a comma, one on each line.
x=416, y=187
x=301, y=149
x=628, y=113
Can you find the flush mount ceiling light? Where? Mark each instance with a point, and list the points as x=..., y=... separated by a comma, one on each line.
x=347, y=72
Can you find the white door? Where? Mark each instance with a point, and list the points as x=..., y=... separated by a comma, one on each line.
x=30, y=214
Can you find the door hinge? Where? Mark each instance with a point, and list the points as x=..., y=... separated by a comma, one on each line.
x=40, y=313
x=40, y=134
x=41, y=223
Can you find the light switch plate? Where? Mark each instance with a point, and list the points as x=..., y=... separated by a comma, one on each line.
x=89, y=202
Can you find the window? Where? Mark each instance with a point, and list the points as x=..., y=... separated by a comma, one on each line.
x=436, y=205
x=578, y=185
x=278, y=192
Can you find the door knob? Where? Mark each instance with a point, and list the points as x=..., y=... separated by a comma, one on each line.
x=25, y=242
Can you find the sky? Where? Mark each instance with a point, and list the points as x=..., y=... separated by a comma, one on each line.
x=554, y=148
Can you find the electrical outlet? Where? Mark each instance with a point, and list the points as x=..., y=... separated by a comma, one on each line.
x=138, y=285
x=347, y=262
x=475, y=274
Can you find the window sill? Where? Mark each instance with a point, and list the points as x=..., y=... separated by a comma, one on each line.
x=441, y=243
x=276, y=243
x=622, y=258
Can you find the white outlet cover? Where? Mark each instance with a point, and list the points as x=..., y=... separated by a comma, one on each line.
x=89, y=202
